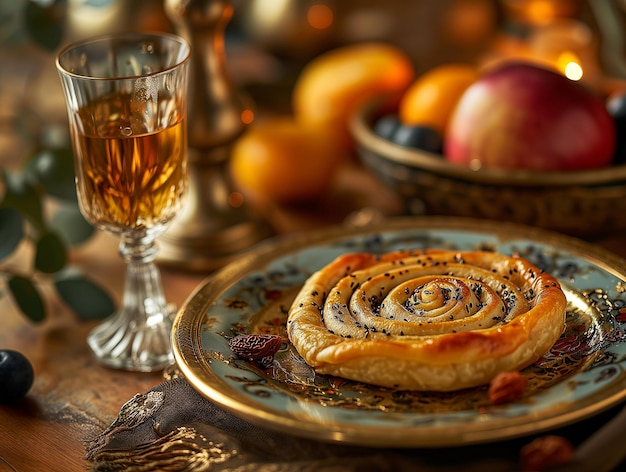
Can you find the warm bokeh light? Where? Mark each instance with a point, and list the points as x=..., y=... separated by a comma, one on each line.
x=320, y=16
x=247, y=116
x=573, y=71
x=93, y=18
x=269, y=12
x=470, y=22
x=569, y=64
x=569, y=46
x=541, y=12
x=235, y=199
x=475, y=164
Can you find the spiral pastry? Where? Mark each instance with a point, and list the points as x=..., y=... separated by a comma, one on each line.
x=426, y=320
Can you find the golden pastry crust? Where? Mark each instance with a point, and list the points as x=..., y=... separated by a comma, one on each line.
x=426, y=320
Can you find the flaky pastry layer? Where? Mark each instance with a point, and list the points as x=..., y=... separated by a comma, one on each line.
x=426, y=320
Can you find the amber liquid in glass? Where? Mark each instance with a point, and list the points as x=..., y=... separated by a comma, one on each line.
x=128, y=177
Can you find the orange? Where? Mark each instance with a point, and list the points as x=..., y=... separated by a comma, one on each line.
x=430, y=99
x=280, y=160
x=332, y=86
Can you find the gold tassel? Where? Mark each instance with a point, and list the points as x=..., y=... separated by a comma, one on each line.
x=180, y=450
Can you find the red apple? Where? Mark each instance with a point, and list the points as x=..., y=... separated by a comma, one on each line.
x=522, y=116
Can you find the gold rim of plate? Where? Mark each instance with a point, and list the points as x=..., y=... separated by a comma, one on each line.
x=195, y=364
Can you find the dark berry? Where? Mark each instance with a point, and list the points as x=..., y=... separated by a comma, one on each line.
x=419, y=137
x=255, y=345
x=16, y=375
x=616, y=107
x=386, y=126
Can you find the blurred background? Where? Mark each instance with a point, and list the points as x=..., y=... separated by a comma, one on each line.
x=269, y=41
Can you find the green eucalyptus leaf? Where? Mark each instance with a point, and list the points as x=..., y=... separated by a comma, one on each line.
x=27, y=297
x=86, y=298
x=54, y=170
x=23, y=196
x=11, y=31
x=70, y=224
x=44, y=23
x=11, y=231
x=50, y=253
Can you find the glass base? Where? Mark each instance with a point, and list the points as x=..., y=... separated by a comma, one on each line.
x=134, y=341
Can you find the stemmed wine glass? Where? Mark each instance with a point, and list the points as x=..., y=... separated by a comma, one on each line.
x=126, y=102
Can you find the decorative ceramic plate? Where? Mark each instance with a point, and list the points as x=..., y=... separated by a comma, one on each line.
x=583, y=374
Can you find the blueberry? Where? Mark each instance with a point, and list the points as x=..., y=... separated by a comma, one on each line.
x=419, y=137
x=386, y=126
x=616, y=107
x=16, y=376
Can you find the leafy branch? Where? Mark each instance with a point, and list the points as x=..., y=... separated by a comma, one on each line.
x=40, y=21
x=45, y=180
x=47, y=177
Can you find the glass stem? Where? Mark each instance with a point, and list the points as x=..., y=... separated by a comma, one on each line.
x=137, y=337
x=143, y=290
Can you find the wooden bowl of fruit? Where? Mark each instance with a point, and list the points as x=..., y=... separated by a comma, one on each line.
x=561, y=170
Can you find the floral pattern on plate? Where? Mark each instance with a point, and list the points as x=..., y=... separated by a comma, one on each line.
x=583, y=373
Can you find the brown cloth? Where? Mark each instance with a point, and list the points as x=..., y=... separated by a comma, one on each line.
x=173, y=428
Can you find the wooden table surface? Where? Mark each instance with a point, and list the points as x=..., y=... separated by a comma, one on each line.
x=74, y=398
